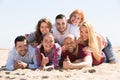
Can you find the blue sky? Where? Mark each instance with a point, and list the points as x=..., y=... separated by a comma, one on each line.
x=18, y=17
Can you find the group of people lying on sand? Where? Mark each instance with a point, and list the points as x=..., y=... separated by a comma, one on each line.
x=69, y=44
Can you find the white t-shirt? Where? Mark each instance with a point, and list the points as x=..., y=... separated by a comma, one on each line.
x=71, y=29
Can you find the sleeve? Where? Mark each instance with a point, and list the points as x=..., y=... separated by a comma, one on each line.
x=63, y=56
x=32, y=51
x=31, y=37
x=56, y=57
x=34, y=65
x=75, y=31
x=38, y=57
x=10, y=61
x=95, y=62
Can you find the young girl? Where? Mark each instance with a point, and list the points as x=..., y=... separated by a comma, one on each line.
x=48, y=55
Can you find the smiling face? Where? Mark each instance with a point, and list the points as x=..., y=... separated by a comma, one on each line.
x=48, y=42
x=83, y=33
x=61, y=25
x=70, y=43
x=44, y=28
x=75, y=19
x=21, y=47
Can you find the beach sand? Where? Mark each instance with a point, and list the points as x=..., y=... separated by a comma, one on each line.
x=105, y=71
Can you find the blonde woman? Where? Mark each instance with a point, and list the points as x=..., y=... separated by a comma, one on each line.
x=76, y=17
x=97, y=43
x=74, y=57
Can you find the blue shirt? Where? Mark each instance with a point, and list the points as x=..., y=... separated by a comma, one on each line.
x=29, y=58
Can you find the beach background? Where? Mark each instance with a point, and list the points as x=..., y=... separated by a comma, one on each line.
x=18, y=17
x=104, y=71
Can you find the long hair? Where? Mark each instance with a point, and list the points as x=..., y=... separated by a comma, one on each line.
x=42, y=37
x=80, y=12
x=92, y=40
x=38, y=33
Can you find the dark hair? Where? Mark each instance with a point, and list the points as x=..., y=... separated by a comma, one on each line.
x=19, y=38
x=38, y=33
x=60, y=16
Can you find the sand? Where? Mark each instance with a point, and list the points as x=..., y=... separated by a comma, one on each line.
x=105, y=71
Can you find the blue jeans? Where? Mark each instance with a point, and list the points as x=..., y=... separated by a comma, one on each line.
x=109, y=52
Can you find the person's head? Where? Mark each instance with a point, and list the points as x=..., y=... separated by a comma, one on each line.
x=48, y=41
x=61, y=23
x=87, y=33
x=70, y=43
x=76, y=17
x=21, y=45
x=43, y=26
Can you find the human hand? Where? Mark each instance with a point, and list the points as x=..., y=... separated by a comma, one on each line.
x=23, y=64
x=27, y=34
x=45, y=60
x=67, y=63
x=17, y=65
x=20, y=64
x=34, y=44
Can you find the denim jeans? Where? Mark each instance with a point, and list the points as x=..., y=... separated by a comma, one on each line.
x=109, y=52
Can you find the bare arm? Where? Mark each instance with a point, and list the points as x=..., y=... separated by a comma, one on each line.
x=99, y=41
x=98, y=55
x=87, y=61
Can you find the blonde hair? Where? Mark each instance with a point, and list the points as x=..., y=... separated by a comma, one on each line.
x=80, y=12
x=92, y=40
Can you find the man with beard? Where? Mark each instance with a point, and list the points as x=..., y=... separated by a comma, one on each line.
x=22, y=55
x=76, y=55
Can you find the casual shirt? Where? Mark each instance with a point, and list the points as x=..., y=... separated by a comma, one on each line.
x=80, y=55
x=31, y=37
x=54, y=56
x=29, y=58
x=59, y=38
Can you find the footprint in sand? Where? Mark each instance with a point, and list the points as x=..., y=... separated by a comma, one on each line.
x=44, y=77
x=1, y=76
x=7, y=72
x=92, y=71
